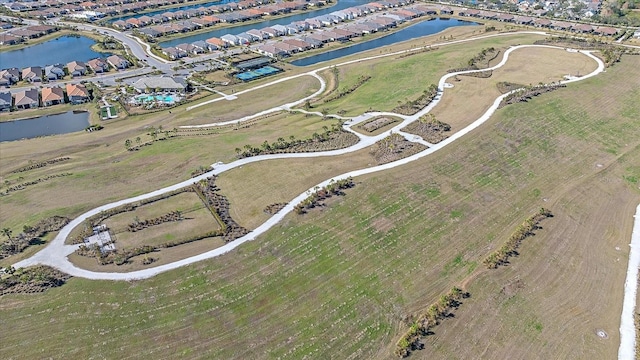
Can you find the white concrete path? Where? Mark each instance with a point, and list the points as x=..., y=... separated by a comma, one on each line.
x=627, y=349
x=55, y=253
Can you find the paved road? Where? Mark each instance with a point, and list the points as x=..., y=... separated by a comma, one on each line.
x=55, y=254
x=627, y=349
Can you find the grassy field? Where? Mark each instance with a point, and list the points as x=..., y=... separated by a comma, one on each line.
x=338, y=283
x=250, y=103
x=394, y=81
x=252, y=187
x=101, y=161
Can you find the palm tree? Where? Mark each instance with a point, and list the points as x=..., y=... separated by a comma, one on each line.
x=7, y=232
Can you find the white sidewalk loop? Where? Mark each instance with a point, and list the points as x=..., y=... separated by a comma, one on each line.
x=627, y=349
x=55, y=254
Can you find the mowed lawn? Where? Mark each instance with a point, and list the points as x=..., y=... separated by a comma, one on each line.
x=337, y=283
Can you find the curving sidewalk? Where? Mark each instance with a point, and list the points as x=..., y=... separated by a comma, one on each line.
x=55, y=254
x=627, y=349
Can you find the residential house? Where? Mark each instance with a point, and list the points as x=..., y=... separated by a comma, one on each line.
x=5, y=101
x=160, y=84
x=8, y=39
x=26, y=99
x=271, y=51
x=52, y=96
x=174, y=53
x=54, y=72
x=217, y=42
x=77, y=93
x=118, y=62
x=230, y=39
x=98, y=65
x=9, y=76
x=32, y=74
x=605, y=31
x=76, y=68
x=257, y=34
x=190, y=49
x=204, y=46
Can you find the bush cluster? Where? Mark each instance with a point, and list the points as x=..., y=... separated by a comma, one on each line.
x=40, y=165
x=26, y=184
x=426, y=321
x=334, y=188
x=412, y=107
x=509, y=248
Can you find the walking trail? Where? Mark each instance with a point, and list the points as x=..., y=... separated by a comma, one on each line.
x=56, y=252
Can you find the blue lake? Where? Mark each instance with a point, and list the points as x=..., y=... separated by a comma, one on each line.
x=64, y=123
x=420, y=29
x=342, y=4
x=60, y=50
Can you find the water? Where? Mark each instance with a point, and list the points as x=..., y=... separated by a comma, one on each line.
x=60, y=50
x=44, y=125
x=420, y=29
x=169, y=99
x=186, y=7
x=342, y=4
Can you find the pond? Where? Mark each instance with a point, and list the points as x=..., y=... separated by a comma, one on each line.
x=59, y=50
x=420, y=29
x=56, y=124
x=341, y=5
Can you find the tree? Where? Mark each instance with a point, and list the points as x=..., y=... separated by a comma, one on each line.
x=238, y=151
x=127, y=144
x=307, y=105
x=7, y=232
x=138, y=140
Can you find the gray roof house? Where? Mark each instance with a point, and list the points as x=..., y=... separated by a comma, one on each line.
x=160, y=83
x=9, y=76
x=205, y=46
x=54, y=72
x=5, y=101
x=230, y=39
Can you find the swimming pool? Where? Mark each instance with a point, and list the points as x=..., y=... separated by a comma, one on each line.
x=167, y=99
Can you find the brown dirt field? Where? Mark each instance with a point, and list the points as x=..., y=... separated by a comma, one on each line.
x=252, y=187
x=471, y=97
